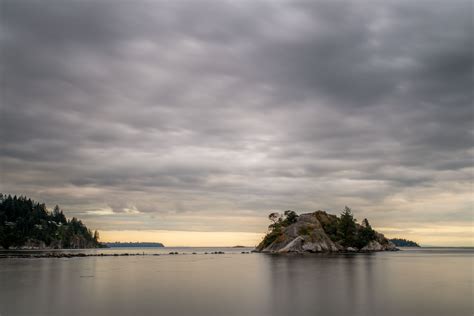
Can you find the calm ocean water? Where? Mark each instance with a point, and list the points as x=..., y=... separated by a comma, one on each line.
x=426, y=281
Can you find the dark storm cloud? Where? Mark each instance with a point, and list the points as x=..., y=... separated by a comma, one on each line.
x=234, y=108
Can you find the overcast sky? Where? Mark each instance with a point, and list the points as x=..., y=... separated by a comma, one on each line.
x=204, y=116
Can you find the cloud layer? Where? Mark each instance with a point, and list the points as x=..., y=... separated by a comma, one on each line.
x=205, y=115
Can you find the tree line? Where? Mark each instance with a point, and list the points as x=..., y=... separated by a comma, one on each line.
x=24, y=222
x=401, y=242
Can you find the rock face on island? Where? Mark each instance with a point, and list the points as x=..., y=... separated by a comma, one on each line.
x=321, y=232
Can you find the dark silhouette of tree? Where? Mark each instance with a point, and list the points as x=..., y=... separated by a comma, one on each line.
x=347, y=228
x=58, y=215
x=274, y=217
x=365, y=234
x=290, y=217
x=96, y=236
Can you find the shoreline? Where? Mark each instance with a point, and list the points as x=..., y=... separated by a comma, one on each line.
x=82, y=255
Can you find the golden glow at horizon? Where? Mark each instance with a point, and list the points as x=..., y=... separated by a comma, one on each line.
x=183, y=238
x=432, y=236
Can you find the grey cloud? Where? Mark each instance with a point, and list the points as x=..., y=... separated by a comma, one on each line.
x=228, y=108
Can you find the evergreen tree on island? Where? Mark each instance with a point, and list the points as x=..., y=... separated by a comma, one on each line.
x=347, y=228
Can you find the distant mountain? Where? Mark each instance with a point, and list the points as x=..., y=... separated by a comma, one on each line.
x=27, y=224
x=321, y=232
x=133, y=244
x=400, y=242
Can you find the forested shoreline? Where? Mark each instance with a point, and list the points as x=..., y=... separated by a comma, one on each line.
x=401, y=242
x=27, y=224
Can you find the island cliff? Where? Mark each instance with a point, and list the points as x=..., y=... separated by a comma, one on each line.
x=321, y=232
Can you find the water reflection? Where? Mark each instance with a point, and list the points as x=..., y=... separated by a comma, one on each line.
x=319, y=284
x=404, y=283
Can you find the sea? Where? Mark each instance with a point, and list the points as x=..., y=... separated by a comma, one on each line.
x=413, y=281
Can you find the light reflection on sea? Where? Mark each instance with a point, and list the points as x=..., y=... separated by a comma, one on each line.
x=424, y=281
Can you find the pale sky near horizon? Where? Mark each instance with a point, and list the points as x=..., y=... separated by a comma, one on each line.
x=187, y=122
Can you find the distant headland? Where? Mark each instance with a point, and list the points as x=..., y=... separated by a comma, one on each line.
x=119, y=244
x=26, y=224
x=400, y=242
x=321, y=232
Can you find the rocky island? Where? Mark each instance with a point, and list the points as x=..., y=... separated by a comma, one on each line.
x=321, y=232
